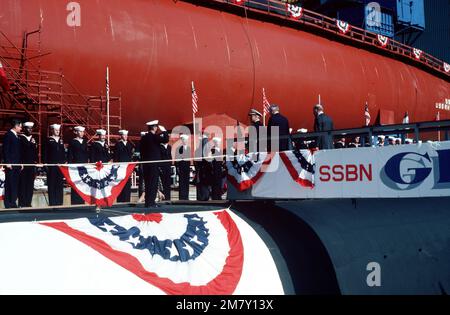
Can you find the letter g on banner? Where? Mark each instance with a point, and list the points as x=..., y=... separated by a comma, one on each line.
x=74, y=16
x=415, y=169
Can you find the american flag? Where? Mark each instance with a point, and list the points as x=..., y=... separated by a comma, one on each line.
x=194, y=100
x=367, y=114
x=266, y=104
x=406, y=118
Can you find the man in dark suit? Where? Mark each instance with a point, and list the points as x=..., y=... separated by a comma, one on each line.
x=78, y=153
x=11, y=155
x=99, y=149
x=183, y=167
x=123, y=152
x=165, y=168
x=203, y=169
x=55, y=154
x=323, y=123
x=218, y=174
x=150, y=151
x=29, y=155
x=279, y=121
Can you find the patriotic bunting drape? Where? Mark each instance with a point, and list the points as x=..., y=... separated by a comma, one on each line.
x=344, y=27
x=180, y=253
x=98, y=184
x=383, y=40
x=295, y=11
x=245, y=170
x=300, y=164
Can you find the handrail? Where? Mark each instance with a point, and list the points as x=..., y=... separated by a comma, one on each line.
x=276, y=8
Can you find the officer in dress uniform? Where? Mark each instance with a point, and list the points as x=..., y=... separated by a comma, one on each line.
x=183, y=167
x=78, y=153
x=29, y=154
x=55, y=154
x=254, y=136
x=218, y=173
x=165, y=168
x=123, y=152
x=150, y=151
x=99, y=149
x=12, y=155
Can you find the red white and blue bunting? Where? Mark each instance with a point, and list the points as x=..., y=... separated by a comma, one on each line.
x=446, y=67
x=240, y=2
x=2, y=183
x=245, y=170
x=300, y=164
x=179, y=253
x=344, y=27
x=295, y=11
x=383, y=40
x=98, y=184
x=417, y=53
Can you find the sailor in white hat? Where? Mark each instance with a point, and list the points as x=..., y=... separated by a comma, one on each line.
x=150, y=151
x=183, y=167
x=100, y=149
x=29, y=152
x=123, y=152
x=55, y=154
x=77, y=153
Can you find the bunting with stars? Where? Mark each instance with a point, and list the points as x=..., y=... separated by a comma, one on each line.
x=179, y=253
x=245, y=170
x=300, y=164
x=98, y=184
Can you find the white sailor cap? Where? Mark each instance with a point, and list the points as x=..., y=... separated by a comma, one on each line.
x=409, y=141
x=162, y=128
x=153, y=123
x=79, y=128
x=302, y=130
x=184, y=137
x=205, y=136
x=55, y=126
x=101, y=132
x=123, y=132
x=290, y=130
x=143, y=133
x=390, y=138
x=28, y=124
x=381, y=137
x=217, y=139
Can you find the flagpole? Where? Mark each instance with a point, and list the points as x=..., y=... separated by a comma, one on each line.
x=193, y=119
x=320, y=100
x=107, y=104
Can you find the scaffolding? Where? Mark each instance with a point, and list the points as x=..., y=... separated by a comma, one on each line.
x=46, y=97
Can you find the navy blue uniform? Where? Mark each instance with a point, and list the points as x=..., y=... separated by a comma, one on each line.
x=278, y=120
x=184, y=171
x=218, y=175
x=203, y=173
x=11, y=155
x=99, y=152
x=77, y=153
x=324, y=123
x=150, y=151
x=124, y=153
x=29, y=155
x=165, y=169
x=55, y=154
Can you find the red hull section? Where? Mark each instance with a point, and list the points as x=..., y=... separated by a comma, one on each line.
x=155, y=48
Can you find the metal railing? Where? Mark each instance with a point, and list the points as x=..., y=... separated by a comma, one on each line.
x=278, y=9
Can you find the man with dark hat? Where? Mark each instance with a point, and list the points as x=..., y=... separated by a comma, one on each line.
x=78, y=153
x=55, y=154
x=12, y=155
x=150, y=151
x=29, y=154
x=123, y=152
x=165, y=168
x=100, y=149
x=254, y=135
x=183, y=167
x=279, y=121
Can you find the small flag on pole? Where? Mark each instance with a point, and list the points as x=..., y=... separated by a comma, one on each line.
x=406, y=118
x=194, y=99
x=266, y=104
x=367, y=114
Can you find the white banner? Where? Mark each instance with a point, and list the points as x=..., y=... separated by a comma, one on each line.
x=421, y=170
